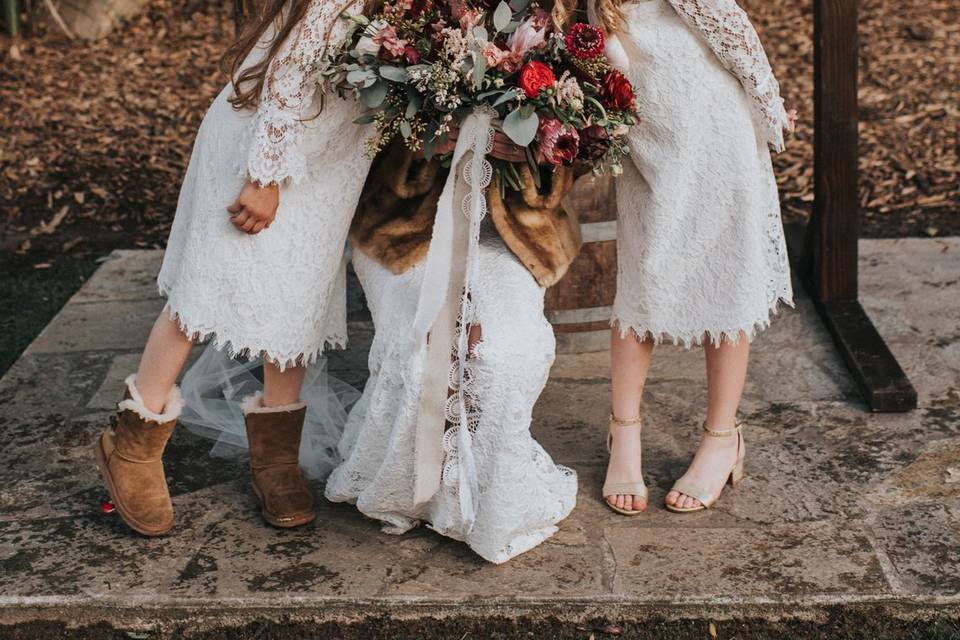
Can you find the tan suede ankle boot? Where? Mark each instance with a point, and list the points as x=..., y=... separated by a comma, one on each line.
x=129, y=455
x=274, y=437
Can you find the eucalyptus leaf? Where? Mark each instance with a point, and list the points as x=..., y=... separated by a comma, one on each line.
x=405, y=130
x=522, y=130
x=519, y=5
x=502, y=16
x=413, y=107
x=374, y=95
x=366, y=118
x=394, y=74
x=480, y=33
x=487, y=94
x=359, y=77
x=506, y=97
x=479, y=68
x=511, y=27
x=599, y=106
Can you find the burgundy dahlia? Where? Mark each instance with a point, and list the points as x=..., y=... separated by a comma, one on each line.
x=584, y=41
x=594, y=143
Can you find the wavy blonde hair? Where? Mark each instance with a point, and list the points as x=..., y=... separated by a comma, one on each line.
x=562, y=11
x=611, y=16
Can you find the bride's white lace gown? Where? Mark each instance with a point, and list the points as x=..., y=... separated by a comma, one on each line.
x=280, y=293
x=523, y=493
x=700, y=240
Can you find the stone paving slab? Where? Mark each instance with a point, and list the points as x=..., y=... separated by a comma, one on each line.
x=841, y=506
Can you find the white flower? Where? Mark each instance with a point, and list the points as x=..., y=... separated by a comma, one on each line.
x=569, y=92
x=367, y=45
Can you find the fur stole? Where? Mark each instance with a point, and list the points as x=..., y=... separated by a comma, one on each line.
x=394, y=219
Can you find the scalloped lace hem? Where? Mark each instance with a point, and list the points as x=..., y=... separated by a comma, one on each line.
x=711, y=335
x=235, y=347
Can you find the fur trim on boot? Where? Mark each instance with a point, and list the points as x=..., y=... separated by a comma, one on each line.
x=273, y=434
x=129, y=455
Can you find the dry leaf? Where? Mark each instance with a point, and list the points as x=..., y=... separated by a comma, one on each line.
x=713, y=630
x=46, y=228
x=70, y=244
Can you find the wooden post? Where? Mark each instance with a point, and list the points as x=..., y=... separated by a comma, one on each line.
x=836, y=207
x=11, y=15
x=829, y=256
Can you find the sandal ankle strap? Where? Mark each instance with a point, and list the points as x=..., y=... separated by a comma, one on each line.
x=630, y=422
x=723, y=433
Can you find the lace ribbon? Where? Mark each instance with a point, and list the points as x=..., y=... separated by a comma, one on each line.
x=444, y=301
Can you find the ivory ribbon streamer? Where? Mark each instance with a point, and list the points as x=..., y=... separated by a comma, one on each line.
x=444, y=299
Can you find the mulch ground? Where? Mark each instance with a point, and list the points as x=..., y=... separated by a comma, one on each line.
x=97, y=135
x=839, y=624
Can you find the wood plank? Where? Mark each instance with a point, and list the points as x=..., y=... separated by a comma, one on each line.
x=591, y=280
x=882, y=382
x=836, y=224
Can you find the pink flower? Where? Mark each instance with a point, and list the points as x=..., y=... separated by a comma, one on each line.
x=470, y=19
x=559, y=142
x=387, y=38
x=540, y=18
x=494, y=55
x=527, y=36
x=457, y=8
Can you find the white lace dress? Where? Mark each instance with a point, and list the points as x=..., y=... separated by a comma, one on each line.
x=700, y=240
x=280, y=293
x=523, y=494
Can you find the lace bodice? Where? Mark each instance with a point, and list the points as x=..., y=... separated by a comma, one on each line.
x=288, y=100
x=728, y=32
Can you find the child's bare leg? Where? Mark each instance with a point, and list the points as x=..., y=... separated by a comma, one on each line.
x=726, y=375
x=164, y=355
x=281, y=387
x=630, y=359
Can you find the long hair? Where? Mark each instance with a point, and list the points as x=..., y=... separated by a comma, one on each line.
x=562, y=12
x=610, y=14
x=248, y=82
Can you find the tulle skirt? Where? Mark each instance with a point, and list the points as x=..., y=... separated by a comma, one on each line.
x=214, y=387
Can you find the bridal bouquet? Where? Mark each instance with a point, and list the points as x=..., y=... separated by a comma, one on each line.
x=422, y=66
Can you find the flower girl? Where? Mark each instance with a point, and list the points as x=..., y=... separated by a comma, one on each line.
x=254, y=262
x=702, y=257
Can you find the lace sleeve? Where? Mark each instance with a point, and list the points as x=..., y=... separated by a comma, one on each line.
x=288, y=97
x=728, y=32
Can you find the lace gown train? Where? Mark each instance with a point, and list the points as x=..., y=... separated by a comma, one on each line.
x=523, y=493
x=280, y=293
x=700, y=241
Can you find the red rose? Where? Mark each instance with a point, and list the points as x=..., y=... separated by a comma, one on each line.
x=617, y=92
x=584, y=41
x=534, y=77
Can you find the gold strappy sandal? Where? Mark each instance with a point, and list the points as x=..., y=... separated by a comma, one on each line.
x=623, y=488
x=736, y=474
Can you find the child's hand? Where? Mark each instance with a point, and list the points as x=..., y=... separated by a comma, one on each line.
x=792, y=120
x=255, y=207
